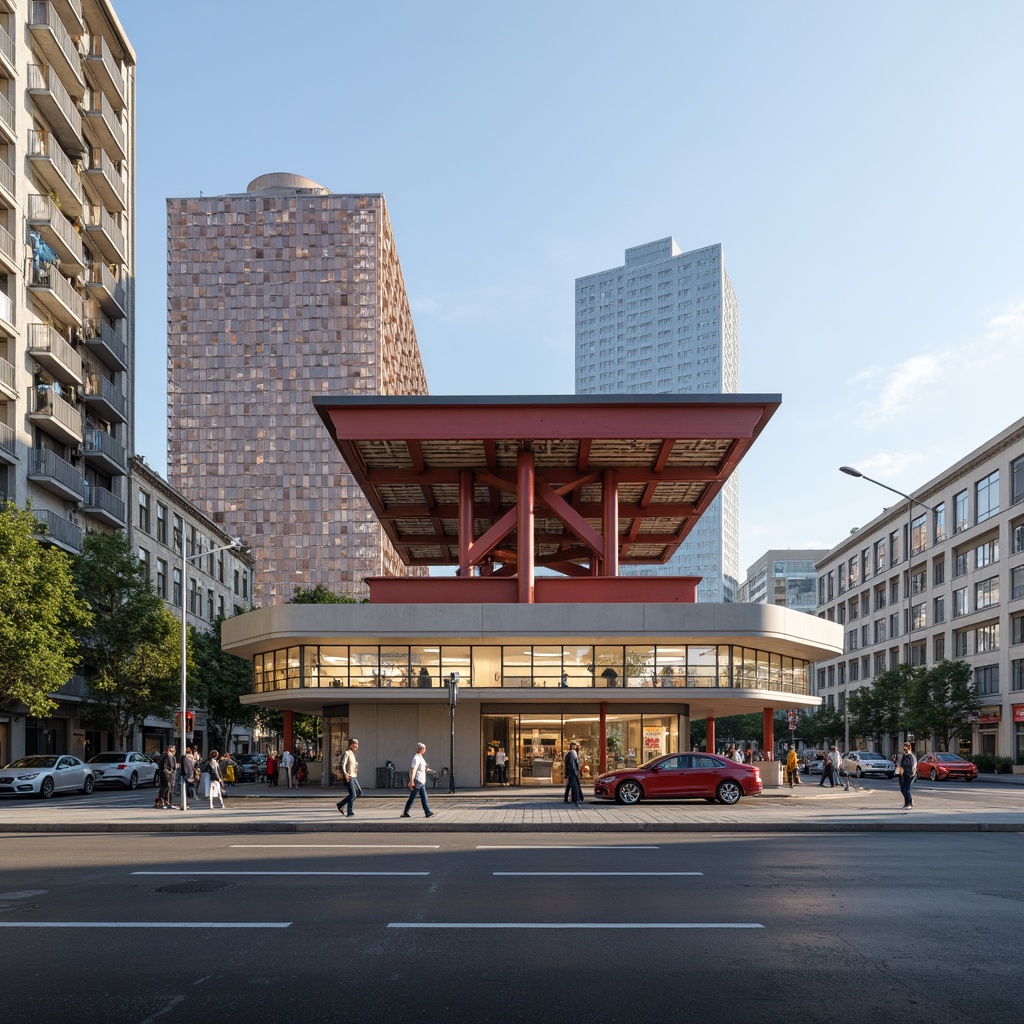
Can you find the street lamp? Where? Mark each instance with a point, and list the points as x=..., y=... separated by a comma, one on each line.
x=185, y=559
x=453, y=698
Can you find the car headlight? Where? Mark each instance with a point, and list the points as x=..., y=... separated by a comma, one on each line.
x=25, y=778
x=605, y=780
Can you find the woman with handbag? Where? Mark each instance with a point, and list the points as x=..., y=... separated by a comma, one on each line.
x=216, y=782
x=907, y=771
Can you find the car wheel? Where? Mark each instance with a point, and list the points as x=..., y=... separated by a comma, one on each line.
x=728, y=792
x=860, y=772
x=88, y=785
x=133, y=782
x=46, y=789
x=629, y=792
x=933, y=775
x=891, y=777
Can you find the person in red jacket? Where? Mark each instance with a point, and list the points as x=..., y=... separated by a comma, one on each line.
x=272, y=769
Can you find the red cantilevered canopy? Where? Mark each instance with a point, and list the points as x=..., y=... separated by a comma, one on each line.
x=445, y=476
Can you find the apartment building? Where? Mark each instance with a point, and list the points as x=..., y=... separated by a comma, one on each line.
x=939, y=577
x=786, y=577
x=667, y=322
x=275, y=296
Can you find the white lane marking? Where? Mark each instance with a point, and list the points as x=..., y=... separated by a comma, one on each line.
x=335, y=846
x=167, y=1009
x=599, y=874
x=568, y=924
x=145, y=924
x=288, y=874
x=25, y=894
x=576, y=848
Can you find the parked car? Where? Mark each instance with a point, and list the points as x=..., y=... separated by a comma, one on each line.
x=130, y=769
x=816, y=766
x=43, y=775
x=941, y=766
x=252, y=767
x=680, y=776
x=867, y=762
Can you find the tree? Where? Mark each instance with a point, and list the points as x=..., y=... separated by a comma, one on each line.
x=319, y=595
x=824, y=726
x=941, y=699
x=132, y=648
x=39, y=613
x=885, y=706
x=219, y=680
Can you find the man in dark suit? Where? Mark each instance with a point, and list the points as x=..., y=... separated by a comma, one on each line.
x=573, y=789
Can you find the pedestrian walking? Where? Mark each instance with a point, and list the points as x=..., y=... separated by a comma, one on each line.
x=188, y=773
x=793, y=767
x=216, y=781
x=349, y=773
x=418, y=781
x=167, y=767
x=907, y=771
x=573, y=789
x=830, y=770
x=288, y=763
x=501, y=766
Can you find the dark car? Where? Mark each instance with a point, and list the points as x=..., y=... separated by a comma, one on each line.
x=941, y=766
x=693, y=775
x=252, y=767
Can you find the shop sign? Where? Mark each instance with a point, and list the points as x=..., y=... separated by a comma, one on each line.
x=1018, y=712
x=652, y=739
x=990, y=715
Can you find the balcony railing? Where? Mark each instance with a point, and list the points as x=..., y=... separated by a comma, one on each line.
x=59, y=530
x=56, y=170
x=45, y=401
x=7, y=247
x=102, y=340
x=7, y=48
x=103, y=504
x=101, y=391
x=102, y=171
x=55, y=42
x=44, y=465
x=106, y=70
x=105, y=232
x=49, y=348
x=60, y=110
x=6, y=308
x=7, y=116
x=106, y=123
x=44, y=213
x=7, y=441
x=7, y=178
x=7, y=377
x=98, y=443
x=55, y=292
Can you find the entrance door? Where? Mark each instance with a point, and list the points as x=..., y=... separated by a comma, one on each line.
x=500, y=741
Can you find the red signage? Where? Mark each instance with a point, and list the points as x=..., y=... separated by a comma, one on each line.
x=1018, y=712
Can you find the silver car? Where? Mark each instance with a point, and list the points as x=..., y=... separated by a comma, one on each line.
x=43, y=775
x=867, y=762
x=129, y=769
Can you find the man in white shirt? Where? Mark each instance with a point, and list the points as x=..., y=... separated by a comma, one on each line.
x=349, y=775
x=287, y=763
x=418, y=781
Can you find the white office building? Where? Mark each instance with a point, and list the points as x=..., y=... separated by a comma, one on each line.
x=667, y=321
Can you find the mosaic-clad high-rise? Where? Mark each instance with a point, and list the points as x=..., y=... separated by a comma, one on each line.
x=274, y=296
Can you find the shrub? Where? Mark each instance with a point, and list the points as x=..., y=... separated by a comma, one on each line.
x=985, y=762
x=1004, y=765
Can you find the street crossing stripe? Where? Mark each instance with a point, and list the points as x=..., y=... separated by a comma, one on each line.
x=567, y=924
x=335, y=846
x=289, y=874
x=598, y=874
x=575, y=849
x=145, y=924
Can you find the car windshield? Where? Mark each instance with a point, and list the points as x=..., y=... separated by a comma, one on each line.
x=870, y=755
x=34, y=762
x=247, y=758
x=947, y=757
x=108, y=758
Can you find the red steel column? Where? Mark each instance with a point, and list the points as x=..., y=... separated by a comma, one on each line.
x=768, y=730
x=709, y=746
x=610, y=522
x=525, y=526
x=288, y=731
x=465, y=520
x=602, y=757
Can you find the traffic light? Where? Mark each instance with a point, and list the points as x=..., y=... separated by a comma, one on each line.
x=190, y=721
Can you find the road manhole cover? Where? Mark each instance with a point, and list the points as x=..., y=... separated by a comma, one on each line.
x=196, y=885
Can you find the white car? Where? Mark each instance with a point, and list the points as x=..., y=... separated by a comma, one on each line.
x=129, y=769
x=43, y=775
x=867, y=762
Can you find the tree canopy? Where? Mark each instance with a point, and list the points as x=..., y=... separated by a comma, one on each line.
x=217, y=682
x=319, y=595
x=39, y=614
x=132, y=647
x=941, y=699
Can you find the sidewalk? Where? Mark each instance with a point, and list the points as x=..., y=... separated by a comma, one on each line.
x=953, y=806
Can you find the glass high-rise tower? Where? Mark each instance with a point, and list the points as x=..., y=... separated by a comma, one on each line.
x=667, y=321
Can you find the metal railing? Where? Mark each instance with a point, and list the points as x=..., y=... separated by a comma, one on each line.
x=45, y=401
x=7, y=440
x=43, y=462
x=100, y=52
x=43, y=338
x=7, y=112
x=59, y=529
x=6, y=308
x=101, y=274
x=46, y=80
x=42, y=209
x=107, y=501
x=40, y=144
x=99, y=104
x=7, y=373
x=7, y=177
x=97, y=218
x=96, y=385
x=100, y=441
x=7, y=46
x=99, y=161
x=43, y=15
x=100, y=330
x=7, y=245
x=47, y=276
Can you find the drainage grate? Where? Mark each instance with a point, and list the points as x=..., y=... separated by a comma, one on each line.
x=197, y=885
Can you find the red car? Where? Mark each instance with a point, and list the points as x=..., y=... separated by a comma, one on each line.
x=680, y=776
x=945, y=766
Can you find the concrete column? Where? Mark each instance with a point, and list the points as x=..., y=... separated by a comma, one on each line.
x=288, y=731
x=610, y=522
x=768, y=730
x=602, y=733
x=710, y=744
x=524, y=497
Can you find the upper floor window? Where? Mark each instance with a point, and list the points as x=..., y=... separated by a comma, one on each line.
x=161, y=523
x=879, y=556
x=919, y=534
x=1017, y=480
x=987, y=497
x=986, y=680
x=894, y=547
x=986, y=554
x=986, y=593
x=161, y=578
x=1017, y=582
x=960, y=520
x=854, y=572
x=938, y=571
x=986, y=638
x=144, y=511
x=960, y=564
x=1017, y=539
x=939, y=522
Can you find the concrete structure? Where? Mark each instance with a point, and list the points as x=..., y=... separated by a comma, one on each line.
x=668, y=322
x=67, y=289
x=499, y=487
x=786, y=577
x=960, y=594
x=275, y=296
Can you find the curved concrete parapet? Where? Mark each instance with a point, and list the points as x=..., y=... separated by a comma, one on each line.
x=282, y=183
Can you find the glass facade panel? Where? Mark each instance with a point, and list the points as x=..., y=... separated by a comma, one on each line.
x=640, y=668
x=363, y=668
x=578, y=665
x=456, y=659
x=331, y=667
x=701, y=666
x=517, y=666
x=394, y=666
x=547, y=665
x=608, y=669
x=486, y=666
x=424, y=666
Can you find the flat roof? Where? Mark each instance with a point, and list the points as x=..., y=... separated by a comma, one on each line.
x=672, y=454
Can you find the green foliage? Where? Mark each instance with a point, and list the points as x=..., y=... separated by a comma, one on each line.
x=823, y=727
x=1004, y=765
x=940, y=701
x=985, y=762
x=132, y=647
x=319, y=595
x=883, y=707
x=217, y=680
x=39, y=613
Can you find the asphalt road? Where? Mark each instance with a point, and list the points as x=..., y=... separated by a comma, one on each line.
x=478, y=928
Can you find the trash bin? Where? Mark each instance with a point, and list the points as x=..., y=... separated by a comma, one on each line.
x=204, y=785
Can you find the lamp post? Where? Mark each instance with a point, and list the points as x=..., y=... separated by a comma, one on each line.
x=185, y=559
x=453, y=698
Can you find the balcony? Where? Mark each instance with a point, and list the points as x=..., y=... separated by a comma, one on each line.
x=49, y=470
x=70, y=12
x=52, y=40
x=104, y=452
x=7, y=131
x=55, y=293
x=106, y=289
x=105, y=125
x=7, y=325
x=51, y=164
x=8, y=193
x=61, y=532
x=8, y=380
x=57, y=416
x=57, y=107
x=106, y=180
x=57, y=232
x=104, y=399
x=103, y=505
x=9, y=262
x=8, y=445
x=106, y=71
x=105, y=234
x=48, y=348
x=7, y=55
x=103, y=342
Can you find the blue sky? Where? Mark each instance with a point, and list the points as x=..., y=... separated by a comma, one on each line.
x=860, y=163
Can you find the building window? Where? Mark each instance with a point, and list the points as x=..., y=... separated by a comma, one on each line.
x=986, y=680
x=894, y=591
x=854, y=608
x=986, y=638
x=960, y=602
x=918, y=616
x=986, y=593
x=237, y=590
x=245, y=586
x=161, y=523
x=919, y=582
x=831, y=585
x=220, y=567
x=209, y=605
x=1017, y=674
x=854, y=670
x=161, y=578
x=865, y=564
x=939, y=522
x=919, y=534
x=986, y=554
x=879, y=597
x=960, y=520
x=1017, y=480
x=894, y=624
x=938, y=571
x=960, y=645
x=879, y=663
x=1017, y=538
x=987, y=497
x=220, y=605
x=1017, y=582
x=960, y=564
x=144, y=559
x=176, y=599
x=1017, y=629
x=865, y=635
x=195, y=604
x=879, y=631
x=939, y=648
x=939, y=606
x=179, y=537
x=894, y=547
x=841, y=614
x=854, y=572
x=865, y=666
x=879, y=556
x=144, y=511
